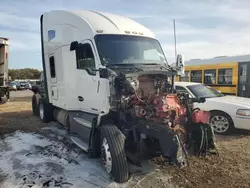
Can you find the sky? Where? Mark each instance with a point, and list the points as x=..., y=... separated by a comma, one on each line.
x=204, y=29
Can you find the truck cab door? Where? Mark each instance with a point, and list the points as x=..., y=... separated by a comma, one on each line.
x=88, y=80
x=86, y=93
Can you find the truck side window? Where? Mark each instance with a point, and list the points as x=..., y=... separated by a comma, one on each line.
x=85, y=57
x=52, y=66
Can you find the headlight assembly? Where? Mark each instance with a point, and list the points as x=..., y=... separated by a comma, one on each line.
x=243, y=112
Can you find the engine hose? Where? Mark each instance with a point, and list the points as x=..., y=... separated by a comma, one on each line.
x=206, y=142
x=212, y=143
x=202, y=142
x=216, y=150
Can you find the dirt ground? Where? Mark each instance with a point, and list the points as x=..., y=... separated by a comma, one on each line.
x=17, y=115
x=230, y=169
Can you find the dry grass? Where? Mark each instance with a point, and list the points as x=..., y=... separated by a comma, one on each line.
x=17, y=115
x=230, y=169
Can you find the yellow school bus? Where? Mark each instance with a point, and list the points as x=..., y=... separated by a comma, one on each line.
x=230, y=75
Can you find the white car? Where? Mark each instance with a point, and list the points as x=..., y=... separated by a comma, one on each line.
x=12, y=86
x=227, y=112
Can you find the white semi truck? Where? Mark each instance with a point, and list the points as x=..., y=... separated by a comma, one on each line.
x=4, y=54
x=106, y=79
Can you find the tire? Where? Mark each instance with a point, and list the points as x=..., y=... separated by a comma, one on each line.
x=3, y=99
x=45, y=111
x=112, y=147
x=35, y=109
x=226, y=124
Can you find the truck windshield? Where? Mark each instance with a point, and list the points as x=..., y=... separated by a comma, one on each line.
x=126, y=49
x=200, y=90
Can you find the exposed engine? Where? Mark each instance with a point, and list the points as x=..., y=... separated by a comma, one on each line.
x=148, y=96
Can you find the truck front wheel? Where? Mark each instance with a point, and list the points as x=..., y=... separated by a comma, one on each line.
x=113, y=153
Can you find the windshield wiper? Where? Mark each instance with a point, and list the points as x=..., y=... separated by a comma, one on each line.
x=114, y=64
x=124, y=67
x=161, y=65
x=149, y=64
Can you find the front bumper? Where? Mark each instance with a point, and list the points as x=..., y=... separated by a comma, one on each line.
x=169, y=141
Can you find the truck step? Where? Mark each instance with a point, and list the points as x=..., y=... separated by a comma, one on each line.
x=80, y=143
x=83, y=122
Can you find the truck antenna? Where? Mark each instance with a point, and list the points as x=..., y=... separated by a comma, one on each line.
x=175, y=40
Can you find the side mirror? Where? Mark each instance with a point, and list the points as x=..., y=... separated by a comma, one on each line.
x=74, y=45
x=202, y=99
x=180, y=65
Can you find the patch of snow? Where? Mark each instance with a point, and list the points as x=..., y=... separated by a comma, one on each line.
x=30, y=160
x=55, y=129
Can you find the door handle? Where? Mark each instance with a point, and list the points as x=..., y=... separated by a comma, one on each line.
x=80, y=98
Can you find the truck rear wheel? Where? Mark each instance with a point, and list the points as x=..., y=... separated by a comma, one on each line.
x=113, y=153
x=45, y=111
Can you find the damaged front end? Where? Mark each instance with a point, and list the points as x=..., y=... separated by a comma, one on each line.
x=155, y=121
x=164, y=142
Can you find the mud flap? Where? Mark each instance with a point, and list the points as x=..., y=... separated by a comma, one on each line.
x=203, y=140
x=169, y=141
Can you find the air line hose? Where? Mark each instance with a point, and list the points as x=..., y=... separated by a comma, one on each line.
x=201, y=142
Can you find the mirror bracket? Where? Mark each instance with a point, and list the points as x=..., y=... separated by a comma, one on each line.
x=92, y=71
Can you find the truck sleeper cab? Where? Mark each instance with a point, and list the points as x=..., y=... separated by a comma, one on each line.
x=92, y=62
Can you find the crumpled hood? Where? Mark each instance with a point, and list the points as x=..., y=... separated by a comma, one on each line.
x=242, y=101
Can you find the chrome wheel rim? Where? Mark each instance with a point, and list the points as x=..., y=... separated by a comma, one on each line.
x=41, y=111
x=106, y=156
x=219, y=123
